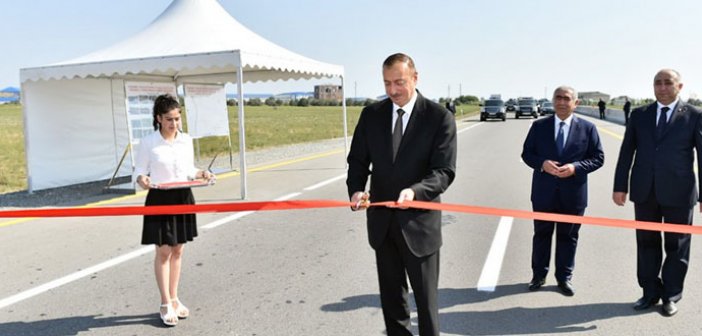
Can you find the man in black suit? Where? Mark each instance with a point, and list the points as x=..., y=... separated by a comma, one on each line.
x=627, y=110
x=410, y=143
x=661, y=137
x=562, y=149
x=603, y=107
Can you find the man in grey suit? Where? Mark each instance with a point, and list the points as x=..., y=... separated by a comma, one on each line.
x=660, y=139
x=410, y=143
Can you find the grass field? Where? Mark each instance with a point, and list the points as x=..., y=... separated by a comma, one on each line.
x=265, y=127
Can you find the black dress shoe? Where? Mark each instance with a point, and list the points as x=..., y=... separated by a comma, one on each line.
x=669, y=308
x=645, y=303
x=566, y=288
x=536, y=283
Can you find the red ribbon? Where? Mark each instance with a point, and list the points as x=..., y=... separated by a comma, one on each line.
x=310, y=204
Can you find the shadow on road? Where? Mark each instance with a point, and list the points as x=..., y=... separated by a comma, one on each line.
x=76, y=324
x=511, y=321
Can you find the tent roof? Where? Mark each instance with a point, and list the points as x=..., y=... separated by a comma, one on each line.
x=190, y=38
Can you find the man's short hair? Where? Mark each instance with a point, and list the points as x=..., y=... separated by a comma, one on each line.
x=399, y=58
x=569, y=89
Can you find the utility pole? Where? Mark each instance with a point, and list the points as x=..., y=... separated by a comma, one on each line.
x=449, y=92
x=460, y=89
x=355, y=96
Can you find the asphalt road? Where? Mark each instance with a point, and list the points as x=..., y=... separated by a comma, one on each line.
x=311, y=272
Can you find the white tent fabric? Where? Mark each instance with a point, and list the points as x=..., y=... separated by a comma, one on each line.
x=190, y=38
x=192, y=41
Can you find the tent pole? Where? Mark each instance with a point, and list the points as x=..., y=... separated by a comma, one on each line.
x=346, y=128
x=242, y=130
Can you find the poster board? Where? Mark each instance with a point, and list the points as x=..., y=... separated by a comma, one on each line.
x=206, y=110
x=140, y=102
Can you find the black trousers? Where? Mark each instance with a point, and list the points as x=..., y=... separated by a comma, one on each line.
x=395, y=264
x=649, y=255
x=566, y=243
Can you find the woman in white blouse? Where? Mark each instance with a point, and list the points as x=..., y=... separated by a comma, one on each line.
x=167, y=156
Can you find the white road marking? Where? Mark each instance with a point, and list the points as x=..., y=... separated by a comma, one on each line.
x=493, y=263
x=74, y=276
x=323, y=183
x=226, y=220
x=469, y=127
x=238, y=215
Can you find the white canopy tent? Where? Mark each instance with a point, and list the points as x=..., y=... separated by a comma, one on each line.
x=75, y=117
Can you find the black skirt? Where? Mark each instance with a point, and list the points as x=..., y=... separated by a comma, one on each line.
x=169, y=229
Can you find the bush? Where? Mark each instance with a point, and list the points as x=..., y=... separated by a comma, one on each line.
x=254, y=102
x=303, y=102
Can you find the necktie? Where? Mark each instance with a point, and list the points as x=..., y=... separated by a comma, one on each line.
x=662, y=122
x=397, y=134
x=559, y=138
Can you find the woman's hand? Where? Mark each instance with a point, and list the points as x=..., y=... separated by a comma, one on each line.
x=144, y=182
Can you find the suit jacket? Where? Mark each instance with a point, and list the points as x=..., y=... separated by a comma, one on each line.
x=664, y=166
x=425, y=162
x=582, y=148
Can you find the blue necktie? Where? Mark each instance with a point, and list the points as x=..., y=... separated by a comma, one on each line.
x=559, y=138
x=662, y=122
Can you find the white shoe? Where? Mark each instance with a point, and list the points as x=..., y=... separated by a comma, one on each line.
x=181, y=311
x=169, y=318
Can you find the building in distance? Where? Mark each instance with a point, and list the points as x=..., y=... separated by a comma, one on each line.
x=328, y=92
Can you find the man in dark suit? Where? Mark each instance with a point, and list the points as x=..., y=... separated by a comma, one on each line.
x=562, y=149
x=627, y=110
x=410, y=143
x=602, y=107
x=661, y=137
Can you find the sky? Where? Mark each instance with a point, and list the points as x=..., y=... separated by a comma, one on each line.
x=470, y=47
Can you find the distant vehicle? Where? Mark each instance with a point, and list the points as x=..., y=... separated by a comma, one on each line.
x=547, y=108
x=511, y=105
x=526, y=106
x=496, y=96
x=540, y=104
x=493, y=108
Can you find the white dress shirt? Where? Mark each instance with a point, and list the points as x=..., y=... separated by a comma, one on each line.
x=165, y=161
x=405, y=117
x=670, y=112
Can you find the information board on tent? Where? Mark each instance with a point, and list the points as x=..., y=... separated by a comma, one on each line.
x=140, y=104
x=207, y=110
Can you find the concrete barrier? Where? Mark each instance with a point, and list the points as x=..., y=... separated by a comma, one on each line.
x=612, y=115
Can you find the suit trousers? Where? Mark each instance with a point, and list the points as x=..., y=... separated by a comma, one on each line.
x=566, y=243
x=649, y=256
x=395, y=263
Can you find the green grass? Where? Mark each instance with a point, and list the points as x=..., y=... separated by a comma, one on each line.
x=13, y=175
x=265, y=127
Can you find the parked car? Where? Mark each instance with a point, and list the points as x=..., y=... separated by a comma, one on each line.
x=526, y=106
x=493, y=108
x=547, y=108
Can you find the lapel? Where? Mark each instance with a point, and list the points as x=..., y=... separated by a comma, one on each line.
x=386, y=127
x=550, y=120
x=678, y=113
x=649, y=119
x=574, y=129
